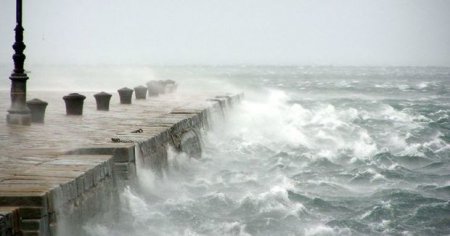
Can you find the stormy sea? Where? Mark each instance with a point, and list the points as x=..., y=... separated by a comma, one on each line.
x=309, y=151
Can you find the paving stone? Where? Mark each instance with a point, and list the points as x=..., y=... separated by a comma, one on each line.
x=72, y=163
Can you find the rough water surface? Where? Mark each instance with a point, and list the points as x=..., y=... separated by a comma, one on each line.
x=311, y=151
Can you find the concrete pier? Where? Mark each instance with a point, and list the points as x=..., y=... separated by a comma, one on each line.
x=73, y=167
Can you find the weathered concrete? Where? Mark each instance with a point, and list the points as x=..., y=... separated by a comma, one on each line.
x=53, y=186
x=74, y=103
x=37, y=109
x=74, y=167
x=9, y=220
x=190, y=144
x=102, y=99
x=123, y=156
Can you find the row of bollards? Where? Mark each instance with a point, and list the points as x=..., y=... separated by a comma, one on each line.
x=74, y=101
x=160, y=86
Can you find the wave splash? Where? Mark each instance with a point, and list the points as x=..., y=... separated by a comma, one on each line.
x=287, y=165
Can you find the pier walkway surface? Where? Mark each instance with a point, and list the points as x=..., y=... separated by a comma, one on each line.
x=71, y=165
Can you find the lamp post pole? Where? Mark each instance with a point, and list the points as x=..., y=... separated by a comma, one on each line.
x=18, y=113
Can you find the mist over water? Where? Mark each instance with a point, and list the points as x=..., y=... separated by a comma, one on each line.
x=311, y=151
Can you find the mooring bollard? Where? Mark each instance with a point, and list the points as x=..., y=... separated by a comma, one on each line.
x=74, y=104
x=161, y=86
x=140, y=92
x=170, y=86
x=102, y=100
x=125, y=95
x=37, y=109
x=153, y=88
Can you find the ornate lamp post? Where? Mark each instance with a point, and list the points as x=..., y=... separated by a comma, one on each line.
x=18, y=113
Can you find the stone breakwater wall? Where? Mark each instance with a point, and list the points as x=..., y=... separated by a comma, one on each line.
x=74, y=186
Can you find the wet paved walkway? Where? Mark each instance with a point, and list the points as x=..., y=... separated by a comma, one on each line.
x=34, y=167
x=32, y=160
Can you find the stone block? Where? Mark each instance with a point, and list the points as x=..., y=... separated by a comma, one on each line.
x=190, y=144
x=23, y=198
x=32, y=212
x=121, y=152
x=30, y=233
x=30, y=224
x=10, y=220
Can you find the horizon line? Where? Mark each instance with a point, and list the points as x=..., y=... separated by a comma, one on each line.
x=232, y=65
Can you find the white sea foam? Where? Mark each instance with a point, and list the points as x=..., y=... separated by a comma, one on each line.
x=323, y=128
x=285, y=164
x=423, y=85
x=323, y=230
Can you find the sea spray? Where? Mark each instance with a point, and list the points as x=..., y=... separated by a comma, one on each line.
x=316, y=151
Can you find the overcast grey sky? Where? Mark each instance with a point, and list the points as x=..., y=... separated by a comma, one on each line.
x=301, y=32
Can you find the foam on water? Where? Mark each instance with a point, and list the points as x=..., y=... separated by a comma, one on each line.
x=286, y=163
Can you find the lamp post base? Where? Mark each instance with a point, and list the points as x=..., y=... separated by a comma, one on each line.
x=18, y=119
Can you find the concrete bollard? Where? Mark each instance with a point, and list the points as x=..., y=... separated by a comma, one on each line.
x=153, y=88
x=140, y=92
x=170, y=86
x=74, y=104
x=102, y=100
x=161, y=86
x=125, y=95
x=37, y=109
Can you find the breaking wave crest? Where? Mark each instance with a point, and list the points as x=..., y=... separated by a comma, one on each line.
x=285, y=164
